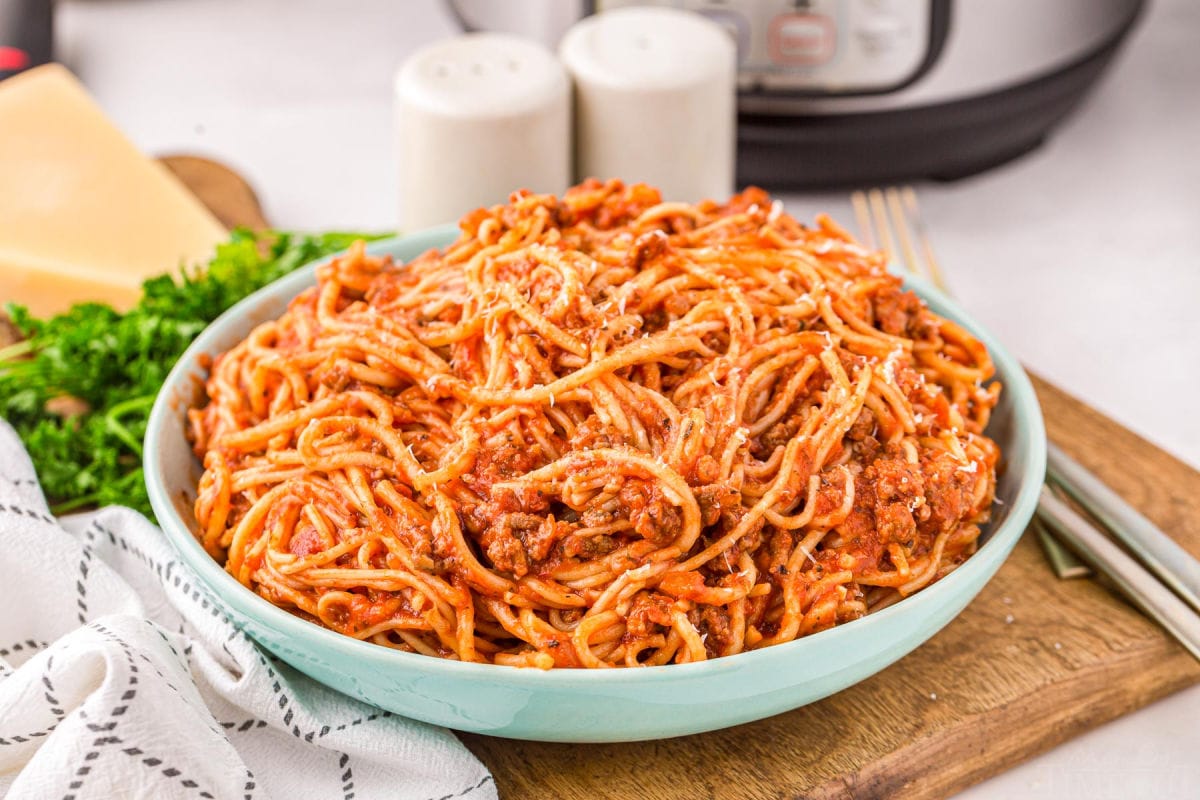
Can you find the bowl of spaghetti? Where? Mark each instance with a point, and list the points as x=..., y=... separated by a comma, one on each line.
x=596, y=467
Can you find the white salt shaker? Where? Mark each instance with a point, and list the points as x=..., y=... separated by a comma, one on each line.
x=655, y=92
x=478, y=117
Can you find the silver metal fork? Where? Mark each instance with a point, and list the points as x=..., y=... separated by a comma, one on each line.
x=890, y=220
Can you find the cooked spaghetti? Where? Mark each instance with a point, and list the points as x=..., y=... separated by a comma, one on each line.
x=599, y=431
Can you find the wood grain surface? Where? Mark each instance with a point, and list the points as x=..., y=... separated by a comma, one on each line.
x=1030, y=663
x=226, y=193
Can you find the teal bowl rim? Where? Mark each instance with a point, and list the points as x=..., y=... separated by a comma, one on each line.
x=1027, y=421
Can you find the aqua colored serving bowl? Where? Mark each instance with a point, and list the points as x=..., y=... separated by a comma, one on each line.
x=585, y=705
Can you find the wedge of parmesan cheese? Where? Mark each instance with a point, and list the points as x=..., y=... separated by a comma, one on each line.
x=83, y=214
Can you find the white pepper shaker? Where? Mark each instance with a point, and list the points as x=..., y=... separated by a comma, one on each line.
x=478, y=117
x=655, y=100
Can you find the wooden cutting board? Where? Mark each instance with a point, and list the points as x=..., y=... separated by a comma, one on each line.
x=1030, y=663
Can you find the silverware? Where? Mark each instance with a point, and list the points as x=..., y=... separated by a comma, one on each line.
x=889, y=220
x=1173, y=565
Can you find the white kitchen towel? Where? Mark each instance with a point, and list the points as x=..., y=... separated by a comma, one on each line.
x=119, y=678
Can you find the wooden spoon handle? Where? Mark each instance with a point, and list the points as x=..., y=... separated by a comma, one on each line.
x=226, y=194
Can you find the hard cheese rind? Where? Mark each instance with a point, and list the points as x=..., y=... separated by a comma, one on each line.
x=83, y=214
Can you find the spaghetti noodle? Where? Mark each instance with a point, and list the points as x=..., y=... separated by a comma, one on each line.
x=598, y=431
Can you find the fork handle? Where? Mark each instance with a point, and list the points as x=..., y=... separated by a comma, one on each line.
x=1173, y=565
x=1129, y=576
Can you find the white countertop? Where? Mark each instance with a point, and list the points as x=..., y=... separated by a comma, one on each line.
x=1083, y=257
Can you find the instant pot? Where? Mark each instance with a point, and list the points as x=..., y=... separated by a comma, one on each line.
x=837, y=92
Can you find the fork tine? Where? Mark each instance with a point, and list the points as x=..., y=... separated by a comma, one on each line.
x=883, y=229
x=862, y=215
x=910, y=205
x=899, y=221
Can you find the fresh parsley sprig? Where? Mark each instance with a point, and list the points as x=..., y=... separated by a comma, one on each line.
x=79, y=387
